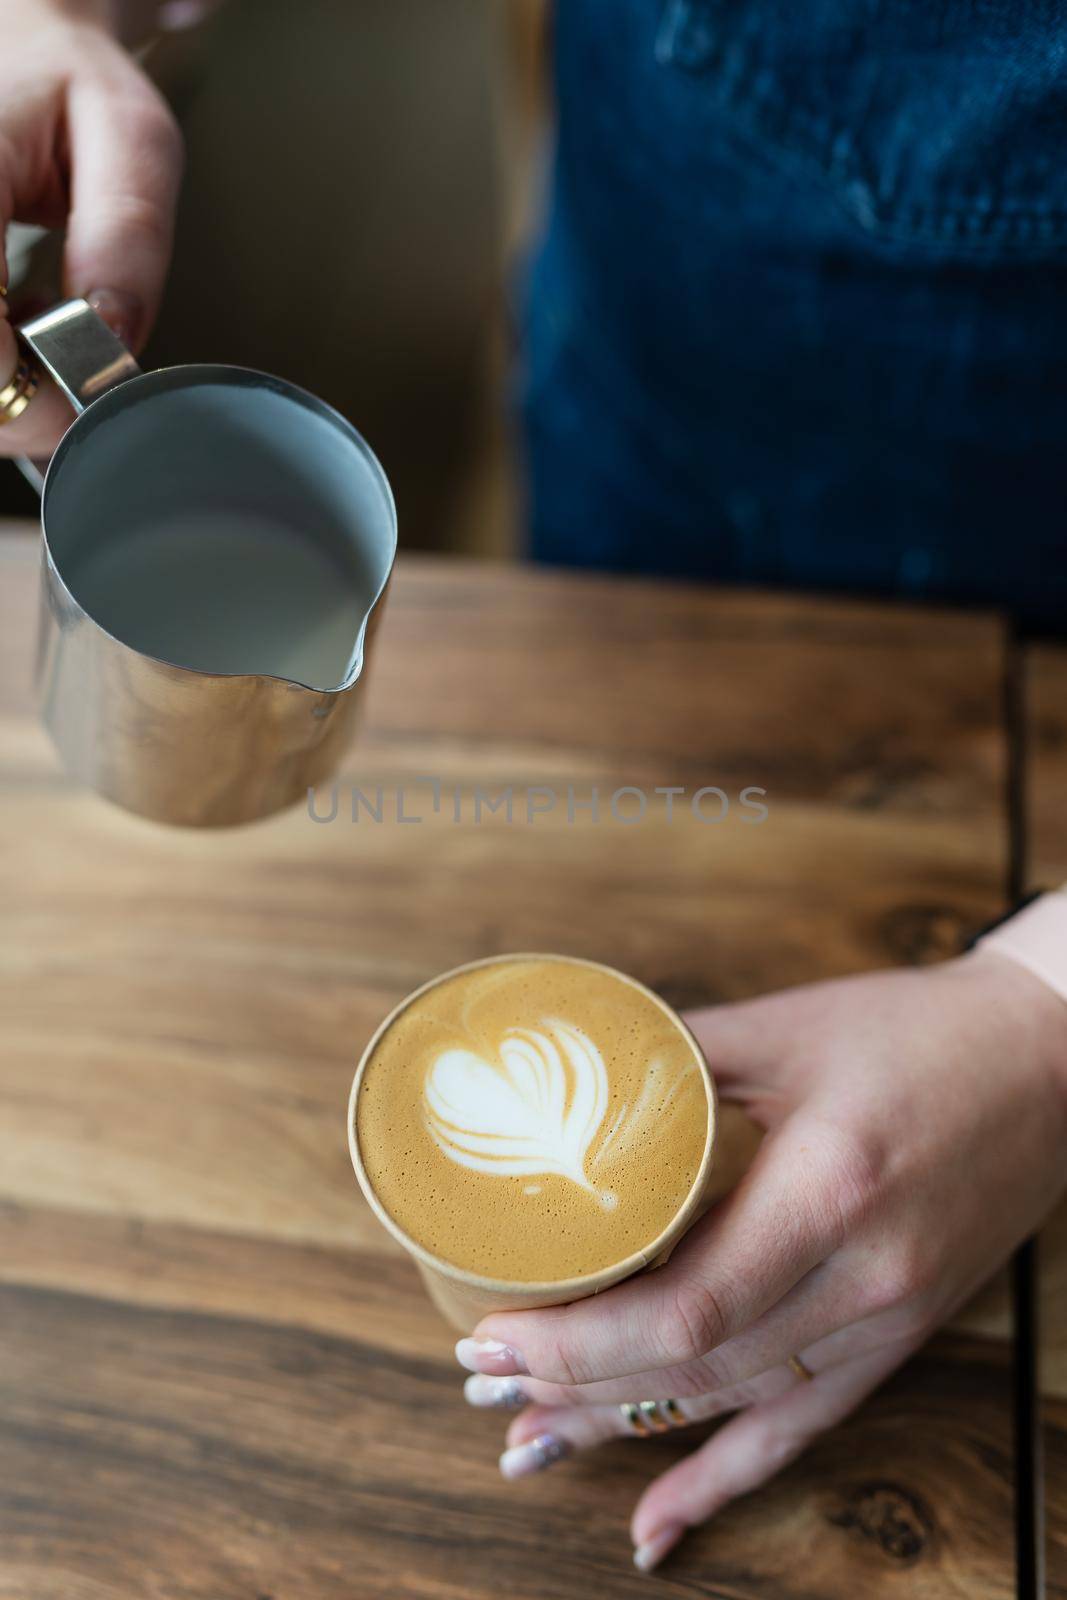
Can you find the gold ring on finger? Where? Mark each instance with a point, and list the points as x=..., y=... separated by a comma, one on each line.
x=800, y=1370
x=17, y=393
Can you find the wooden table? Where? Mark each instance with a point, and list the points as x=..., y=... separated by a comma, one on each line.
x=218, y=1376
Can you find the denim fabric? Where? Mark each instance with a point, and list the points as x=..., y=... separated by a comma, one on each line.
x=799, y=313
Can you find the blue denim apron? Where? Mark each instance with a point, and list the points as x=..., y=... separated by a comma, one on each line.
x=799, y=313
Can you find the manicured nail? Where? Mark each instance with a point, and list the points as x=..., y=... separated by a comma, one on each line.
x=176, y=15
x=533, y=1456
x=121, y=311
x=504, y=1394
x=651, y=1553
x=490, y=1356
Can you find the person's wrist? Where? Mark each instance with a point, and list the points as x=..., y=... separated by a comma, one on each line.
x=1034, y=1013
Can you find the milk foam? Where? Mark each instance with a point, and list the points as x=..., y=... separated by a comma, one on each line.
x=537, y=1111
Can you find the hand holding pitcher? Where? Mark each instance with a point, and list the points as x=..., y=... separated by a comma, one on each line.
x=86, y=143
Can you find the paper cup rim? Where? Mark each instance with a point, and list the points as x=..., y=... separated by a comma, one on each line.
x=565, y=1288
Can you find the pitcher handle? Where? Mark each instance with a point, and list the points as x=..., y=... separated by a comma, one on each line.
x=84, y=357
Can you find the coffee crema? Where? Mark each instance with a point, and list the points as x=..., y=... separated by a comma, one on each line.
x=533, y=1119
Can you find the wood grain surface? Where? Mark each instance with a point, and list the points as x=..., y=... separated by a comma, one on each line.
x=1045, y=682
x=219, y=1378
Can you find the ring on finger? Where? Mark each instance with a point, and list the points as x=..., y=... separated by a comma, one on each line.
x=645, y=1417
x=800, y=1369
x=17, y=393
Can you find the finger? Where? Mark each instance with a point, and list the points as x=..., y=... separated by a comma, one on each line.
x=543, y=1436
x=126, y=160
x=41, y=426
x=823, y=1311
x=45, y=420
x=766, y=1347
x=744, y=1041
x=749, y=1449
x=583, y=1426
x=8, y=350
x=780, y=1223
x=751, y=1044
x=512, y=1394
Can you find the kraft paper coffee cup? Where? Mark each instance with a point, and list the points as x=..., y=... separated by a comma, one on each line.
x=464, y=1297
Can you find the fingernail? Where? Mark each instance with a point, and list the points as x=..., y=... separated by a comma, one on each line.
x=489, y=1355
x=651, y=1553
x=505, y=1394
x=121, y=312
x=533, y=1456
x=176, y=15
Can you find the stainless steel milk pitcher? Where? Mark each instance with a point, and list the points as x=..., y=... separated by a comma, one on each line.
x=217, y=547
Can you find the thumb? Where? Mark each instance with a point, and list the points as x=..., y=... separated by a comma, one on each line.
x=746, y=1043
x=125, y=161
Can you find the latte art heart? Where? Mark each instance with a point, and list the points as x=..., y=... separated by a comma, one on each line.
x=532, y=1120
x=539, y=1110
